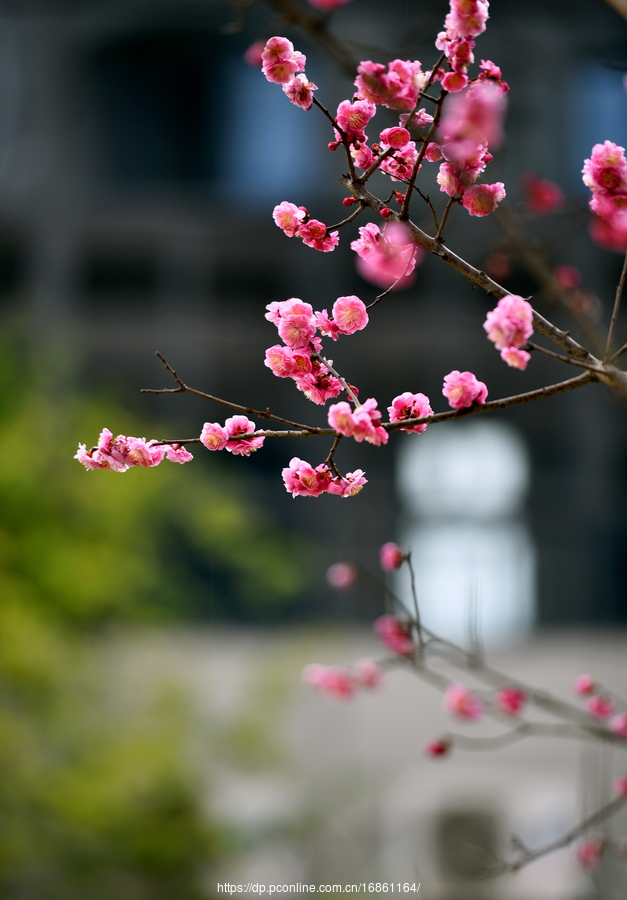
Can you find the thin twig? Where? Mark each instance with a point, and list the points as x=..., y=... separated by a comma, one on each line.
x=346, y=386
x=353, y=215
x=330, y=461
x=412, y=578
x=343, y=136
x=565, y=359
x=617, y=299
x=447, y=210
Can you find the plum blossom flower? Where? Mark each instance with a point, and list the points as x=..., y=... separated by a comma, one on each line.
x=618, y=724
x=368, y=673
x=280, y=62
x=399, y=166
x=606, y=170
x=462, y=389
x=467, y=18
x=314, y=234
x=349, y=484
x=342, y=575
x=600, y=707
x=391, y=557
x=364, y=424
x=619, y=786
x=303, y=480
x=239, y=443
x=482, y=199
x=397, y=88
x=589, y=853
x=515, y=358
x=462, y=703
x=178, y=454
x=353, y=117
x=123, y=452
x=395, y=633
x=410, y=406
x=350, y=314
x=437, y=748
x=510, y=700
x=388, y=257
x=289, y=217
x=541, y=196
x=395, y=137
x=584, y=684
x=509, y=325
x=213, y=436
x=472, y=117
x=334, y=681
x=300, y=91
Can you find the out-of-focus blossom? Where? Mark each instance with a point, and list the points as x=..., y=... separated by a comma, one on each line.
x=462, y=703
x=391, y=557
x=342, y=575
x=395, y=633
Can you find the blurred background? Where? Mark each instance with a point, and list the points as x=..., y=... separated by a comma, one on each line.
x=155, y=737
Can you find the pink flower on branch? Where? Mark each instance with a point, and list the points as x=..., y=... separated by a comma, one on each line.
x=462, y=389
x=289, y=217
x=541, y=197
x=589, y=852
x=280, y=62
x=353, y=117
x=410, y=406
x=368, y=673
x=303, y=480
x=388, y=257
x=391, y=557
x=482, y=199
x=238, y=429
x=314, y=234
x=618, y=724
x=467, y=18
x=437, y=748
x=584, y=684
x=462, y=703
x=509, y=325
x=334, y=681
x=510, y=700
x=124, y=452
x=350, y=314
x=395, y=633
x=600, y=707
x=300, y=91
x=397, y=88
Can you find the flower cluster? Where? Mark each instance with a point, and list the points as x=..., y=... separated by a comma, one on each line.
x=294, y=221
x=509, y=325
x=396, y=634
x=297, y=324
x=123, y=452
x=235, y=436
x=605, y=173
x=364, y=424
x=463, y=389
x=302, y=480
x=341, y=683
x=386, y=258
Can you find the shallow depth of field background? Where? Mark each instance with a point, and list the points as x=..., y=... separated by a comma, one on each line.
x=154, y=735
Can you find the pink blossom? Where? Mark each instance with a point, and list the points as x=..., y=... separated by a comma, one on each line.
x=437, y=748
x=213, y=436
x=618, y=724
x=237, y=427
x=280, y=309
x=280, y=62
x=362, y=155
x=89, y=458
x=326, y=325
x=510, y=323
x=254, y=54
x=391, y=557
x=350, y=314
x=417, y=119
x=287, y=363
x=319, y=385
x=340, y=417
x=400, y=165
x=462, y=389
x=606, y=170
x=600, y=707
x=395, y=634
x=353, y=117
x=410, y=406
x=584, y=684
x=176, y=453
x=331, y=680
x=619, y=786
x=303, y=480
x=461, y=702
x=482, y=199
x=300, y=91
x=541, y=196
x=348, y=485
x=474, y=116
x=467, y=18
x=342, y=575
x=510, y=700
x=449, y=180
x=454, y=82
x=289, y=217
x=398, y=88
x=314, y=234
x=123, y=452
x=297, y=330
x=515, y=358
x=367, y=424
x=386, y=258
x=567, y=276
x=368, y=673
x=395, y=137
x=589, y=852
x=612, y=235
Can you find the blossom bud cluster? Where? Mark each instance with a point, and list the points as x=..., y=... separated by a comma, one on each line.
x=123, y=452
x=605, y=173
x=294, y=221
x=600, y=705
x=235, y=436
x=341, y=683
x=302, y=480
x=509, y=326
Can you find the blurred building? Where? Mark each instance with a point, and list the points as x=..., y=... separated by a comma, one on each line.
x=139, y=162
